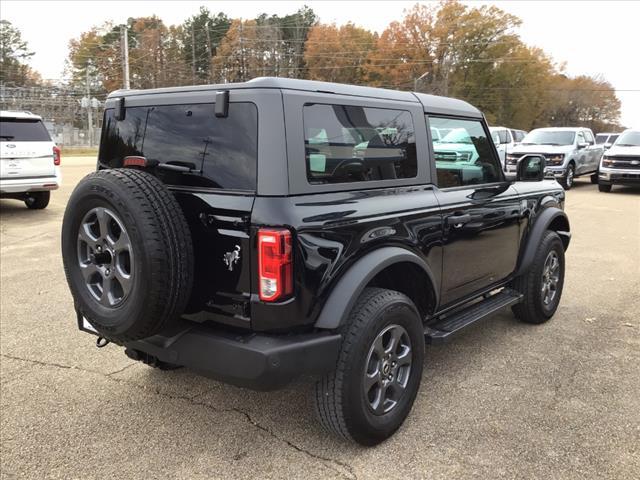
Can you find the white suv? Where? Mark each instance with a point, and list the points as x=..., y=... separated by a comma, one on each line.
x=29, y=160
x=505, y=139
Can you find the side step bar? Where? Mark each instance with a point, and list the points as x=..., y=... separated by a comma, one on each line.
x=447, y=327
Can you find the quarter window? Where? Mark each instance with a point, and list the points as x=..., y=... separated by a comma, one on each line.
x=345, y=143
x=463, y=156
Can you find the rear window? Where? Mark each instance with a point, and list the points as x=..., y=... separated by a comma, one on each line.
x=345, y=143
x=224, y=151
x=23, y=130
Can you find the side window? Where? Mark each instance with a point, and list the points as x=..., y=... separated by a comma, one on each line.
x=589, y=137
x=464, y=156
x=580, y=138
x=346, y=143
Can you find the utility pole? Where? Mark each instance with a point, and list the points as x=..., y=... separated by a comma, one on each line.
x=193, y=55
x=209, y=51
x=242, y=67
x=124, y=42
x=89, y=112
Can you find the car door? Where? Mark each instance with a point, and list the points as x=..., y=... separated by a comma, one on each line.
x=481, y=214
x=583, y=161
x=594, y=152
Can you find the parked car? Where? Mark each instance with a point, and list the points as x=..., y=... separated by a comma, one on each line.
x=29, y=160
x=606, y=139
x=505, y=139
x=242, y=230
x=621, y=163
x=570, y=152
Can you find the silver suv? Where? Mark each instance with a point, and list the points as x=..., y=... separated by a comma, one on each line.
x=570, y=152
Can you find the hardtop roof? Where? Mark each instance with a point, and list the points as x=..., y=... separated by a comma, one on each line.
x=431, y=103
x=19, y=114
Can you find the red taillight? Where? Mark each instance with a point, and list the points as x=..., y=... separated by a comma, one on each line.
x=135, y=161
x=56, y=155
x=275, y=264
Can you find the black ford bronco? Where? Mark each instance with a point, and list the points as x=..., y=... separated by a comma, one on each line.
x=260, y=231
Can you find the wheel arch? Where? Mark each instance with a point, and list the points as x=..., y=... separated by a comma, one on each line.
x=551, y=218
x=386, y=267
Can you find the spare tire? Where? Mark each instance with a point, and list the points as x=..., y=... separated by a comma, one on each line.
x=127, y=253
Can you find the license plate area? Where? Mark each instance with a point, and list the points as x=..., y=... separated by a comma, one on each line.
x=85, y=326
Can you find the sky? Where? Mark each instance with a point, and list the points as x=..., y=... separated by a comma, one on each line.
x=589, y=37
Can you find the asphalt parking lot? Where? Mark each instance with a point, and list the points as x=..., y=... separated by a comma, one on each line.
x=503, y=400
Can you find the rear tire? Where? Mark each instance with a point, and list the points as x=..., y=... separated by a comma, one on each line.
x=371, y=391
x=604, y=187
x=37, y=200
x=594, y=178
x=542, y=284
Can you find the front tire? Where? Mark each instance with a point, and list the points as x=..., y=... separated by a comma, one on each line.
x=569, y=177
x=37, y=200
x=371, y=391
x=603, y=187
x=542, y=284
x=594, y=178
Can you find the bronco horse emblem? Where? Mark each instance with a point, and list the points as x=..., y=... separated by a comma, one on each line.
x=231, y=258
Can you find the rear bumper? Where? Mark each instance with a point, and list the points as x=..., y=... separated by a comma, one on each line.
x=30, y=184
x=257, y=361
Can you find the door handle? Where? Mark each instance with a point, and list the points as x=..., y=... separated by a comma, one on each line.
x=458, y=220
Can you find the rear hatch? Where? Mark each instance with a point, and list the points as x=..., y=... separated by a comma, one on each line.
x=210, y=164
x=26, y=149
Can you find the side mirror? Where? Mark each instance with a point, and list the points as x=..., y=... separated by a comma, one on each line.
x=531, y=168
x=582, y=145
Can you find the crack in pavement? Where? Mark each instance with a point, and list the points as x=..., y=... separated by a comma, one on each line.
x=341, y=468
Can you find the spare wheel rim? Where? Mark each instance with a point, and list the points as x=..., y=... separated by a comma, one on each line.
x=105, y=257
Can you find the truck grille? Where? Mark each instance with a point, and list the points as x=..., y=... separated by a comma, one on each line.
x=622, y=162
x=446, y=156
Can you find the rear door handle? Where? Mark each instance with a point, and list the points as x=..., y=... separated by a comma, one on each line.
x=459, y=220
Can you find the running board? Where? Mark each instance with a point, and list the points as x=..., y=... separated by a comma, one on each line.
x=442, y=331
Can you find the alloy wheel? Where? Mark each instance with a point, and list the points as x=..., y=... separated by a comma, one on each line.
x=387, y=369
x=550, y=277
x=105, y=257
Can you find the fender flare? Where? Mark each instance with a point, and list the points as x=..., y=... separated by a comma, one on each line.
x=347, y=290
x=541, y=224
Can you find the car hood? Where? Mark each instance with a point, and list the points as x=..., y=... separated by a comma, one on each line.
x=453, y=147
x=546, y=149
x=622, y=151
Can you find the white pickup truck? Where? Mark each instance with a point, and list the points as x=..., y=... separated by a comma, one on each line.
x=569, y=152
x=29, y=159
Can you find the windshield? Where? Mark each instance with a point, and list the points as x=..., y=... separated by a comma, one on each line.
x=549, y=137
x=457, y=135
x=23, y=130
x=630, y=138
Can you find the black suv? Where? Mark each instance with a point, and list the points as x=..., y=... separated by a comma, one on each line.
x=260, y=231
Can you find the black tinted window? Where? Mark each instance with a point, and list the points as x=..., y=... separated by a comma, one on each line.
x=464, y=156
x=355, y=144
x=225, y=150
x=23, y=130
